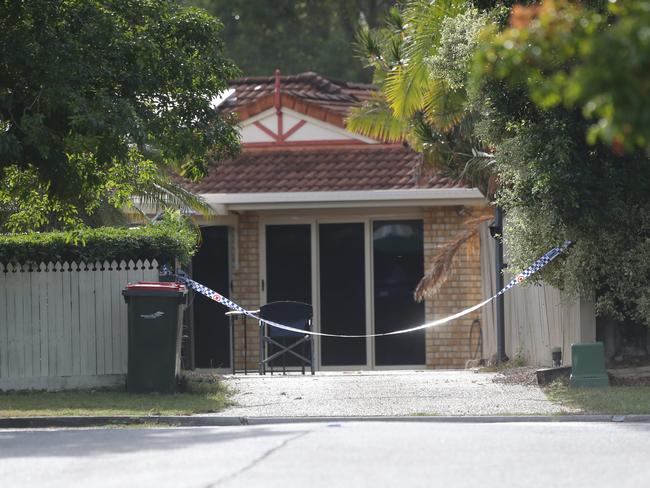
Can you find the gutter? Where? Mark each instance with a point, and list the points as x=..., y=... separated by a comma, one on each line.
x=424, y=197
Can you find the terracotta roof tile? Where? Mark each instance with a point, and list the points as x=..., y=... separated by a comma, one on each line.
x=333, y=95
x=367, y=167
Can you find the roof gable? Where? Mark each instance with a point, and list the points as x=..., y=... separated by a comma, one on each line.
x=288, y=126
x=305, y=108
x=311, y=88
x=308, y=93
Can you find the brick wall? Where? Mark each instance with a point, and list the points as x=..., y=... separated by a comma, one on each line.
x=449, y=346
x=245, y=289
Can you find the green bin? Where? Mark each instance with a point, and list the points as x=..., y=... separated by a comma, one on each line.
x=588, y=365
x=155, y=313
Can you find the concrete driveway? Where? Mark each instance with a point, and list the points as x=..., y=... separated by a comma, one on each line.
x=370, y=393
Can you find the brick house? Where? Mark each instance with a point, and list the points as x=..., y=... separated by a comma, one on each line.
x=312, y=212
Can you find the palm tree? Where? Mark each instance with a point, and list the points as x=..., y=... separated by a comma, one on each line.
x=423, y=101
x=161, y=194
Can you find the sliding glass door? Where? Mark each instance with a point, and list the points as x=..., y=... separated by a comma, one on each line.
x=360, y=277
x=288, y=272
x=342, y=293
x=288, y=263
x=398, y=266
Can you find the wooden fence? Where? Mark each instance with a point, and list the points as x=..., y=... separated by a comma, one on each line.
x=65, y=325
x=537, y=318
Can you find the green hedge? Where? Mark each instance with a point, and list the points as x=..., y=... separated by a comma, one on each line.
x=163, y=241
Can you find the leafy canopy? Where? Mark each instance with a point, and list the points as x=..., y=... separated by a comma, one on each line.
x=295, y=35
x=569, y=146
x=556, y=95
x=596, y=60
x=420, y=61
x=96, y=96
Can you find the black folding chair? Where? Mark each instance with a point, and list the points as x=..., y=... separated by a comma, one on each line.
x=276, y=343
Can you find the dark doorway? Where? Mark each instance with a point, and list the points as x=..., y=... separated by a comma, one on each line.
x=211, y=328
x=342, y=293
x=288, y=272
x=398, y=265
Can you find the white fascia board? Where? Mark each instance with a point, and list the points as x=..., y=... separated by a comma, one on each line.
x=428, y=197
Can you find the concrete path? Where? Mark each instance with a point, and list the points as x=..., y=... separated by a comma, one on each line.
x=330, y=454
x=372, y=393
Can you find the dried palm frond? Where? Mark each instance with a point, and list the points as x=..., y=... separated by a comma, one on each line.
x=443, y=262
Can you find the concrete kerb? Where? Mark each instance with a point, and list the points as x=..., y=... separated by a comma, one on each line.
x=214, y=421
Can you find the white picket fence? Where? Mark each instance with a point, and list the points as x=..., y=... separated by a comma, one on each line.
x=65, y=325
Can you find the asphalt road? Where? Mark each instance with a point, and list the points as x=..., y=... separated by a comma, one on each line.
x=353, y=454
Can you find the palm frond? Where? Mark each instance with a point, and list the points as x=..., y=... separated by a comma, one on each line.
x=369, y=47
x=426, y=138
x=394, y=20
x=423, y=19
x=404, y=89
x=374, y=119
x=444, y=261
x=167, y=193
x=443, y=107
x=394, y=52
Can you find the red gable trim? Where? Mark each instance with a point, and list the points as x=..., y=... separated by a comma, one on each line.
x=295, y=104
x=280, y=137
x=333, y=142
x=266, y=130
x=277, y=101
x=293, y=130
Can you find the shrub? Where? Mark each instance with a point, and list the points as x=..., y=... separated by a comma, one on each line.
x=172, y=237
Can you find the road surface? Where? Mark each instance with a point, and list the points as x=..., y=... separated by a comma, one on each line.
x=346, y=454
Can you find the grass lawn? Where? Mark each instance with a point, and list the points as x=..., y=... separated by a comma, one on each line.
x=200, y=397
x=615, y=400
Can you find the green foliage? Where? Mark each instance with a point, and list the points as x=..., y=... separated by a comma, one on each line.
x=374, y=119
x=556, y=183
x=295, y=35
x=106, y=403
x=96, y=96
x=614, y=400
x=459, y=37
x=597, y=60
x=421, y=60
x=172, y=237
x=517, y=103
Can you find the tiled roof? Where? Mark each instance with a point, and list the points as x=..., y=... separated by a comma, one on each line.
x=338, y=168
x=333, y=95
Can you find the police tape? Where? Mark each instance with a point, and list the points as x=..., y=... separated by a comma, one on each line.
x=219, y=298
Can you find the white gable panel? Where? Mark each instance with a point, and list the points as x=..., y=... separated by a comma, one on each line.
x=251, y=133
x=319, y=130
x=289, y=120
x=313, y=132
x=270, y=122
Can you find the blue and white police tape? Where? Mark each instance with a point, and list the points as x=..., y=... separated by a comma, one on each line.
x=219, y=298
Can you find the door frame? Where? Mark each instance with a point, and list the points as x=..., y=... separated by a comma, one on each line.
x=314, y=221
